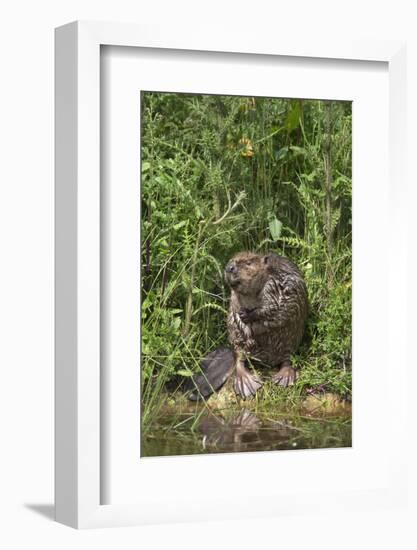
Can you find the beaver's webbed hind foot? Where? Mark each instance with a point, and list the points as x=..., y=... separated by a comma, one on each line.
x=246, y=384
x=286, y=376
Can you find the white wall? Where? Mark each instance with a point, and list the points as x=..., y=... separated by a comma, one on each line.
x=26, y=272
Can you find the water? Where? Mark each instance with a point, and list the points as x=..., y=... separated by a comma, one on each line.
x=243, y=431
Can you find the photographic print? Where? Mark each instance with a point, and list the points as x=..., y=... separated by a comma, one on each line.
x=246, y=274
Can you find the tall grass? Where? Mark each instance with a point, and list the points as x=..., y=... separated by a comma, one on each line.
x=222, y=174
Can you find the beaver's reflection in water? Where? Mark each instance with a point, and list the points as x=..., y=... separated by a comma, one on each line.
x=244, y=431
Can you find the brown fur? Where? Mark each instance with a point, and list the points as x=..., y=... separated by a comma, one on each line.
x=268, y=307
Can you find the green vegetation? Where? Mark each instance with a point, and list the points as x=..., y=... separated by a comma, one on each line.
x=223, y=174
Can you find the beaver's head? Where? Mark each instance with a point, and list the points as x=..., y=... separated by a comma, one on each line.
x=247, y=273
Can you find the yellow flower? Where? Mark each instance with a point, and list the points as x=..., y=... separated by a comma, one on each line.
x=248, y=104
x=248, y=147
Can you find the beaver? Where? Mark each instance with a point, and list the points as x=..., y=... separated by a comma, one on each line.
x=267, y=316
x=266, y=320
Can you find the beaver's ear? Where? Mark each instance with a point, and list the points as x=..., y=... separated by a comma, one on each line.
x=267, y=258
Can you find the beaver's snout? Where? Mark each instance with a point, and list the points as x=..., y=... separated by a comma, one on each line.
x=231, y=267
x=231, y=272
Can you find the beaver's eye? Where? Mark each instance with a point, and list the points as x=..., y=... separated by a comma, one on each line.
x=249, y=262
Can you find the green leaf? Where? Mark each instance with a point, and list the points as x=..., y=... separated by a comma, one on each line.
x=282, y=153
x=293, y=117
x=297, y=150
x=293, y=150
x=185, y=372
x=176, y=323
x=275, y=228
x=180, y=224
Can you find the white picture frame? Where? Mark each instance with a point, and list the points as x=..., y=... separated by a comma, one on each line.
x=78, y=405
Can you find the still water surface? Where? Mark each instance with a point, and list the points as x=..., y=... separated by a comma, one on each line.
x=243, y=431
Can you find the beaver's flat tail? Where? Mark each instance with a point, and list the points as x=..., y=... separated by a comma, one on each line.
x=216, y=367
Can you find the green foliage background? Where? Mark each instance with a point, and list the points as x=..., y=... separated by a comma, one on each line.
x=222, y=174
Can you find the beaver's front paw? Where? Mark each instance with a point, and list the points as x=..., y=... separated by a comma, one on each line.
x=248, y=315
x=250, y=345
